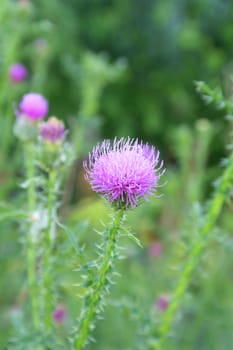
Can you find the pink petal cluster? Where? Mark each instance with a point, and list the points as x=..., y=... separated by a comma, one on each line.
x=33, y=106
x=124, y=171
x=53, y=130
x=17, y=73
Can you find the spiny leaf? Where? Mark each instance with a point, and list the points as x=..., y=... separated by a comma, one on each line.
x=132, y=236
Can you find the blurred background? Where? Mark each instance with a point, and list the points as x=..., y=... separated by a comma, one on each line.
x=127, y=68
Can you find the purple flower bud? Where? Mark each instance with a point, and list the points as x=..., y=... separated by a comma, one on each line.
x=17, y=73
x=53, y=130
x=156, y=249
x=33, y=106
x=124, y=172
x=59, y=315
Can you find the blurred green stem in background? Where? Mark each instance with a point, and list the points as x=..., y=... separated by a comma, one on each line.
x=193, y=260
x=192, y=150
x=48, y=249
x=204, y=132
x=14, y=21
x=31, y=253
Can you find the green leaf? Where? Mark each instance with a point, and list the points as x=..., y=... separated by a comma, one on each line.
x=12, y=214
x=132, y=237
x=72, y=239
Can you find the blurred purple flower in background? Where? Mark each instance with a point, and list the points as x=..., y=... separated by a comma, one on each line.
x=162, y=302
x=18, y=73
x=124, y=171
x=59, y=315
x=53, y=130
x=156, y=249
x=33, y=106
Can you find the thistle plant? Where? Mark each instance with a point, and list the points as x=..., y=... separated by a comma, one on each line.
x=196, y=250
x=47, y=156
x=52, y=156
x=33, y=107
x=124, y=172
x=214, y=208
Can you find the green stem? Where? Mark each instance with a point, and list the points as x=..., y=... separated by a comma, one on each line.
x=31, y=255
x=48, y=250
x=8, y=113
x=92, y=302
x=196, y=250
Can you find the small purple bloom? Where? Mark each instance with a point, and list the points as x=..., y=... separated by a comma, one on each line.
x=59, y=315
x=53, y=130
x=33, y=106
x=18, y=73
x=162, y=302
x=156, y=249
x=124, y=172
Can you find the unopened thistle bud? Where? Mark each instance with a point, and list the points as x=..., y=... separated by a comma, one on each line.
x=53, y=131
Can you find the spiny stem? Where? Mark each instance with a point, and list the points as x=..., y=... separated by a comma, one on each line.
x=48, y=250
x=91, y=305
x=196, y=250
x=31, y=254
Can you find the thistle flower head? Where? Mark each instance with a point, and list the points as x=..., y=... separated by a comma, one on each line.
x=124, y=172
x=33, y=107
x=52, y=131
x=17, y=73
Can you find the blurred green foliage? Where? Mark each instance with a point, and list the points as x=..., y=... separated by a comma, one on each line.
x=167, y=44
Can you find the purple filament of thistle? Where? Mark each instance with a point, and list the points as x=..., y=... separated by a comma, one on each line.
x=124, y=171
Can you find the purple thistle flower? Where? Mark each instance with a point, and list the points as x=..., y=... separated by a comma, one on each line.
x=125, y=171
x=33, y=106
x=17, y=73
x=53, y=130
x=59, y=315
